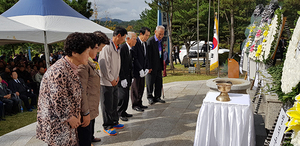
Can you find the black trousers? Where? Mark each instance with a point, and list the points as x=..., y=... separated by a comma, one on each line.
x=92, y=123
x=8, y=105
x=1, y=110
x=84, y=135
x=12, y=105
x=123, y=99
x=154, y=79
x=109, y=105
x=176, y=56
x=137, y=91
x=24, y=97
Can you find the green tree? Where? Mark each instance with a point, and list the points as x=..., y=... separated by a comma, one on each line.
x=81, y=6
x=6, y=4
x=148, y=19
x=290, y=8
x=237, y=14
x=185, y=23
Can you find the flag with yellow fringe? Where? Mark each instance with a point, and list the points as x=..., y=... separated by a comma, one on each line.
x=214, y=60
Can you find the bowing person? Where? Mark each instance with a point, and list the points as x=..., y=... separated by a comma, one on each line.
x=109, y=61
x=125, y=75
x=59, y=105
x=89, y=76
x=156, y=57
x=140, y=69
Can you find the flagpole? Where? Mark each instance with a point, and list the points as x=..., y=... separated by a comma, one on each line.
x=206, y=65
x=218, y=34
x=198, y=64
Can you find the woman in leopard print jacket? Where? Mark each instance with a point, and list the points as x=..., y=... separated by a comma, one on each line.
x=59, y=103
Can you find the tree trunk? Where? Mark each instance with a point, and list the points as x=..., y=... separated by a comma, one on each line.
x=231, y=34
x=169, y=28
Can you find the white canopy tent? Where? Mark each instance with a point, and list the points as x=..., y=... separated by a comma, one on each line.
x=15, y=32
x=55, y=18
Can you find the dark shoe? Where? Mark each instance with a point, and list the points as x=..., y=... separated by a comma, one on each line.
x=160, y=100
x=151, y=101
x=96, y=140
x=2, y=119
x=30, y=110
x=143, y=106
x=124, y=118
x=138, y=109
x=128, y=115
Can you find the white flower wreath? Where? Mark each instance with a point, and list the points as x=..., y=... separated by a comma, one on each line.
x=296, y=138
x=291, y=67
x=270, y=37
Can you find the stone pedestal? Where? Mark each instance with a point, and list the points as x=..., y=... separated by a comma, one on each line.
x=273, y=106
x=238, y=85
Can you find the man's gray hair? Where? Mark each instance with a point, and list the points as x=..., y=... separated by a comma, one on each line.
x=129, y=35
x=160, y=27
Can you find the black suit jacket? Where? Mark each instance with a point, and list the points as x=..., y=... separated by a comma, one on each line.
x=4, y=91
x=282, y=44
x=139, y=59
x=16, y=87
x=126, y=64
x=155, y=61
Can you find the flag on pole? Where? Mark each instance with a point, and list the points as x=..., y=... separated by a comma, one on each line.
x=214, y=60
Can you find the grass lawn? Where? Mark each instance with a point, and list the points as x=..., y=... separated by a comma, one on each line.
x=179, y=74
x=17, y=121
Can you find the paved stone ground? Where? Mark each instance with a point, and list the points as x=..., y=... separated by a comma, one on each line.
x=170, y=124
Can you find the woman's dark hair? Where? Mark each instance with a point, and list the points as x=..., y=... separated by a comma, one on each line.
x=77, y=43
x=120, y=30
x=103, y=39
x=94, y=39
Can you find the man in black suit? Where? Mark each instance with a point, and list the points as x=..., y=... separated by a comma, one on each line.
x=155, y=58
x=125, y=75
x=11, y=102
x=140, y=68
x=18, y=86
x=176, y=53
x=281, y=46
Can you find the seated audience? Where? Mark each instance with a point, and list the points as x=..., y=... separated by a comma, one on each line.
x=36, y=58
x=11, y=102
x=26, y=76
x=29, y=68
x=6, y=75
x=2, y=67
x=18, y=86
x=34, y=71
x=39, y=76
x=1, y=111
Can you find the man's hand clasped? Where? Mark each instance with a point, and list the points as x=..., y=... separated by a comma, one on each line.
x=142, y=73
x=114, y=82
x=74, y=122
x=146, y=72
x=86, y=120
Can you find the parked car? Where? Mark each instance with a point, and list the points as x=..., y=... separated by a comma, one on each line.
x=193, y=51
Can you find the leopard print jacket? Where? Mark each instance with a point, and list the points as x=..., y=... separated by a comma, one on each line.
x=59, y=99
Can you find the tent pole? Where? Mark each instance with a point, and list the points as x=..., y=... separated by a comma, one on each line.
x=46, y=50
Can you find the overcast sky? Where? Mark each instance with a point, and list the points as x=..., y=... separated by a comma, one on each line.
x=125, y=10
